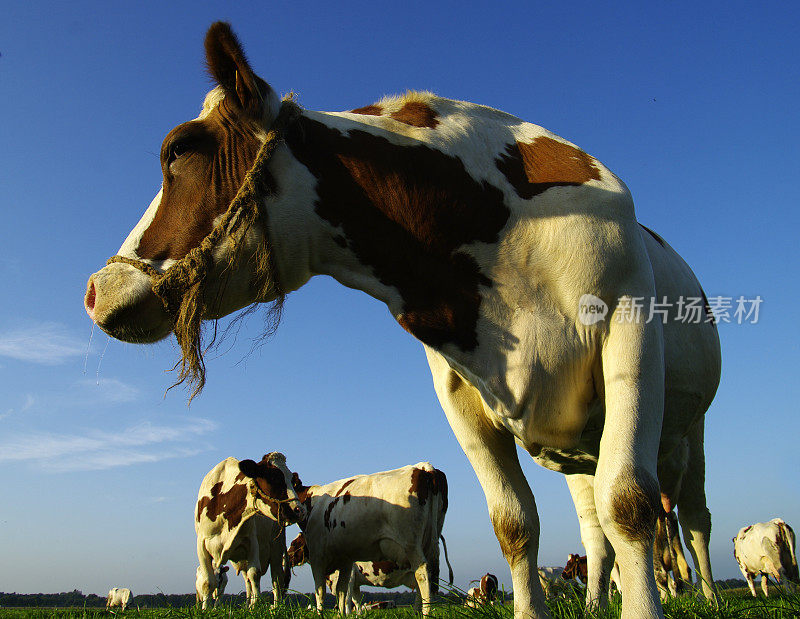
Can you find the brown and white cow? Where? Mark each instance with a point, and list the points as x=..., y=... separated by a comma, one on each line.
x=383, y=574
x=484, y=593
x=672, y=572
x=551, y=319
x=242, y=509
x=388, y=518
x=767, y=548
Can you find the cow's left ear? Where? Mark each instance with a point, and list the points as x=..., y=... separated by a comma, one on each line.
x=249, y=468
x=229, y=67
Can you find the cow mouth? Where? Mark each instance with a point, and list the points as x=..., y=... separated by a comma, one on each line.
x=121, y=302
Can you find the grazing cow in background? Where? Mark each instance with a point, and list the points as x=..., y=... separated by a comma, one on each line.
x=119, y=596
x=673, y=575
x=201, y=585
x=671, y=570
x=381, y=605
x=551, y=319
x=384, y=574
x=484, y=593
x=767, y=548
x=554, y=583
x=576, y=568
x=242, y=508
x=393, y=516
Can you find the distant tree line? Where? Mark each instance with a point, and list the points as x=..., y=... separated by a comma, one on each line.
x=76, y=598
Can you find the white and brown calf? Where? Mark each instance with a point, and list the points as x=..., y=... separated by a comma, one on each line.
x=392, y=518
x=242, y=509
x=767, y=548
x=493, y=242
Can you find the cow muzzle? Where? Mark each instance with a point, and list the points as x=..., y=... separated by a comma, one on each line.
x=120, y=300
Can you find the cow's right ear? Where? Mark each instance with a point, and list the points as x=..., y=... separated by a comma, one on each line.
x=229, y=67
x=249, y=468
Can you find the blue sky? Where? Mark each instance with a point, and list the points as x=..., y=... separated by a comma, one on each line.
x=693, y=104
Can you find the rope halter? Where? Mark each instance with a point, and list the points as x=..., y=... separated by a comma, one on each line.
x=181, y=287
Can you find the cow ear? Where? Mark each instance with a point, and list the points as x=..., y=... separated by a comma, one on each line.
x=228, y=65
x=249, y=468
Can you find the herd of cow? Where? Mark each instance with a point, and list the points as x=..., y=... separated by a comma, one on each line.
x=552, y=321
x=383, y=529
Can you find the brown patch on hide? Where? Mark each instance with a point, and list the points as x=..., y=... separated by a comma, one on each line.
x=368, y=110
x=344, y=486
x=532, y=168
x=513, y=536
x=635, y=506
x=387, y=567
x=230, y=505
x=421, y=485
x=406, y=211
x=327, y=514
x=416, y=114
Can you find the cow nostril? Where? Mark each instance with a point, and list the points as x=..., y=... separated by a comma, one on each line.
x=89, y=299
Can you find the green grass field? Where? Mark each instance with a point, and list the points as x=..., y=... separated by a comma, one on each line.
x=736, y=604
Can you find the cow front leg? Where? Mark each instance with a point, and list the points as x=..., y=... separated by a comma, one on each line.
x=627, y=495
x=319, y=584
x=765, y=585
x=599, y=553
x=493, y=455
x=423, y=578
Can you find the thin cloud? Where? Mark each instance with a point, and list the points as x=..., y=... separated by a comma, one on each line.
x=26, y=405
x=105, y=390
x=142, y=443
x=46, y=343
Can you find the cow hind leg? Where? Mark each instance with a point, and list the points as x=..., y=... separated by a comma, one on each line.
x=423, y=578
x=627, y=495
x=253, y=578
x=765, y=585
x=209, y=578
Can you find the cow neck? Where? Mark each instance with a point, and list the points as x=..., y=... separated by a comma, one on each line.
x=181, y=287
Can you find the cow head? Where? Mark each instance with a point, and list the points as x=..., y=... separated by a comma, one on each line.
x=572, y=568
x=273, y=490
x=298, y=551
x=203, y=164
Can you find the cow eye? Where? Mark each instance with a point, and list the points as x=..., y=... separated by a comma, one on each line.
x=178, y=150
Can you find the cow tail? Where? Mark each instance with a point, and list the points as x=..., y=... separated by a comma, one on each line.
x=447, y=560
x=789, y=540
